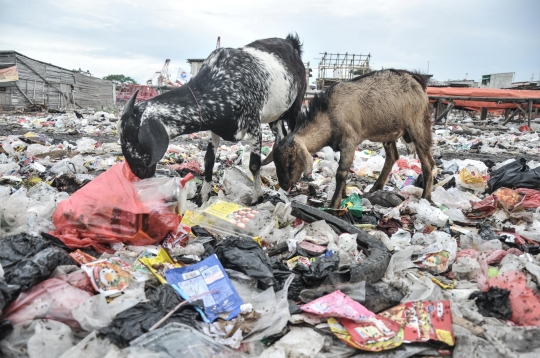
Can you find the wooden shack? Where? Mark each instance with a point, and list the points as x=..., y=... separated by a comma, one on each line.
x=25, y=81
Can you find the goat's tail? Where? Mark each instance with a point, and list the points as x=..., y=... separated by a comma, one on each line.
x=294, y=40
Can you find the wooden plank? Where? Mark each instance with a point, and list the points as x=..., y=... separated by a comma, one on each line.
x=483, y=114
x=530, y=114
x=510, y=116
x=487, y=99
x=444, y=114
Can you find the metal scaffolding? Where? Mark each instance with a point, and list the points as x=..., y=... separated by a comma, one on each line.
x=335, y=67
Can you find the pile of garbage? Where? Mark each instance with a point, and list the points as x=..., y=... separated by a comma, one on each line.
x=98, y=263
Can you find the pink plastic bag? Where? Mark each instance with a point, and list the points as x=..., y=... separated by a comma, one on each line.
x=108, y=210
x=53, y=299
x=339, y=305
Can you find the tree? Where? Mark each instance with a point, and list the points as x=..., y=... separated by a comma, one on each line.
x=120, y=79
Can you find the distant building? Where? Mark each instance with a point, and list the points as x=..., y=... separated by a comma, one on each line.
x=497, y=80
x=24, y=81
x=526, y=85
x=462, y=83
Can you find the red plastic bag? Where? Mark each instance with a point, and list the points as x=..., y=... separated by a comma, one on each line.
x=53, y=299
x=108, y=210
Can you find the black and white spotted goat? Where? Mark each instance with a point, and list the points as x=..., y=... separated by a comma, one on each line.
x=234, y=92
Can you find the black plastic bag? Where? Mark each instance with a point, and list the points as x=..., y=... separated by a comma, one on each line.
x=515, y=175
x=320, y=269
x=31, y=271
x=419, y=181
x=384, y=198
x=28, y=260
x=486, y=233
x=245, y=255
x=15, y=248
x=137, y=320
x=281, y=273
x=493, y=303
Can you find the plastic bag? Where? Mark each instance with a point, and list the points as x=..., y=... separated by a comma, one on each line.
x=493, y=303
x=238, y=186
x=515, y=175
x=274, y=310
x=453, y=198
x=27, y=260
x=525, y=303
x=163, y=195
x=203, y=278
x=54, y=299
x=74, y=165
x=339, y=305
x=134, y=322
x=427, y=214
x=108, y=210
x=96, y=313
x=320, y=269
x=470, y=178
x=226, y=218
x=245, y=255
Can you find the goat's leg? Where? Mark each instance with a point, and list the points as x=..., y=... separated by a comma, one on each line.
x=392, y=155
x=345, y=162
x=428, y=163
x=209, y=160
x=278, y=129
x=255, y=167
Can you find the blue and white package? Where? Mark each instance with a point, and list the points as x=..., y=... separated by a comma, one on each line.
x=205, y=276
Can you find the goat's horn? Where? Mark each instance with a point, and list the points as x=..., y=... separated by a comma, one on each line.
x=268, y=159
x=131, y=103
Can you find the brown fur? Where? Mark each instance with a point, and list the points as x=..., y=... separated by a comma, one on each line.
x=381, y=107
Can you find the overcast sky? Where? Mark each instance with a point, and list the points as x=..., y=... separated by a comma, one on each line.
x=134, y=37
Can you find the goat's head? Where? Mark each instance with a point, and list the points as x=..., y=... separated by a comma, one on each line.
x=292, y=159
x=143, y=137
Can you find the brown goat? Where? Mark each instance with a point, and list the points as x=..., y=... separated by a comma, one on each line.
x=381, y=106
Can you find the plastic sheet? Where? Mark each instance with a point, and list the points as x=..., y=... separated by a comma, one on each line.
x=96, y=313
x=108, y=210
x=38, y=339
x=288, y=346
x=174, y=338
x=93, y=346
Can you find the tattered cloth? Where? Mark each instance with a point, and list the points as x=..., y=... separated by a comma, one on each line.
x=9, y=74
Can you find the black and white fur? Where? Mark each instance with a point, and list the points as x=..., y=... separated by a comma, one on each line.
x=234, y=92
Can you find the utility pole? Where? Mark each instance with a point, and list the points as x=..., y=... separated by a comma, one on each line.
x=428, y=67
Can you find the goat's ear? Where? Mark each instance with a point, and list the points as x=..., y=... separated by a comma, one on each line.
x=154, y=139
x=268, y=159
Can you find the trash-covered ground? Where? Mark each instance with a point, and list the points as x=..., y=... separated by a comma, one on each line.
x=96, y=263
